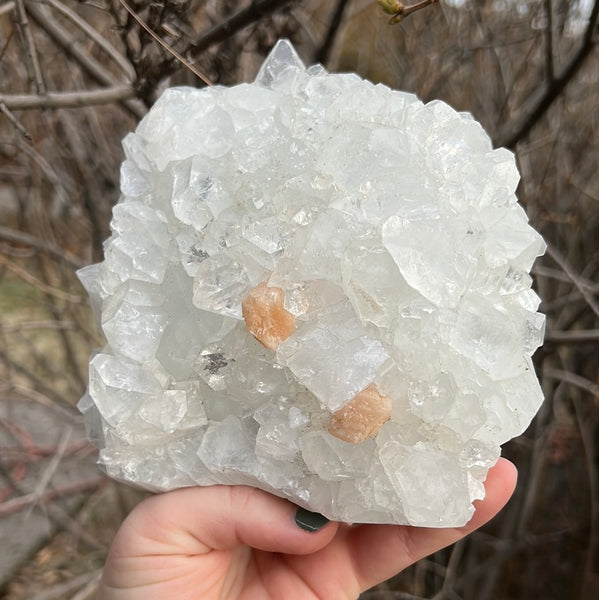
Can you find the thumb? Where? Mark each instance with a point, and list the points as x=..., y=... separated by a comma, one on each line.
x=197, y=520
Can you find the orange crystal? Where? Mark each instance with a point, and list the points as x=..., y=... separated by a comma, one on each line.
x=265, y=316
x=362, y=417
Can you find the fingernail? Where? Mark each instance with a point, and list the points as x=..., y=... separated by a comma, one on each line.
x=309, y=521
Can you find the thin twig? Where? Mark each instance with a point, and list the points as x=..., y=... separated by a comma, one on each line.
x=561, y=261
x=7, y=41
x=168, y=48
x=43, y=17
x=322, y=56
x=50, y=470
x=21, y=326
x=549, y=67
x=457, y=552
x=400, y=11
x=579, y=336
x=20, y=237
x=43, y=393
x=557, y=274
x=20, y=502
x=21, y=392
x=74, y=99
x=542, y=98
x=573, y=379
x=587, y=433
x=36, y=452
x=15, y=122
x=7, y=7
x=85, y=593
x=48, y=170
x=96, y=37
x=31, y=50
x=40, y=285
x=236, y=22
x=58, y=592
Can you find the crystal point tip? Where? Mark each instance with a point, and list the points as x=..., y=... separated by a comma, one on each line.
x=283, y=56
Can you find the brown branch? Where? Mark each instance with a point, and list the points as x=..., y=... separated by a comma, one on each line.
x=573, y=379
x=20, y=392
x=74, y=99
x=37, y=452
x=573, y=337
x=52, y=510
x=20, y=326
x=400, y=11
x=561, y=261
x=20, y=237
x=542, y=98
x=15, y=122
x=322, y=55
x=549, y=66
x=236, y=22
x=93, y=35
x=56, y=513
x=168, y=48
x=7, y=7
x=43, y=17
x=31, y=50
x=27, y=277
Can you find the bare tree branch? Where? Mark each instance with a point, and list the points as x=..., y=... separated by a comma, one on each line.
x=16, y=123
x=92, y=67
x=542, y=98
x=573, y=379
x=96, y=37
x=240, y=20
x=168, y=48
x=31, y=50
x=26, y=276
x=7, y=7
x=400, y=11
x=20, y=237
x=72, y=99
x=573, y=336
x=322, y=55
x=549, y=66
x=561, y=261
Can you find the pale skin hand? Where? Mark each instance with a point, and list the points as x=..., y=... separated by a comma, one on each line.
x=239, y=543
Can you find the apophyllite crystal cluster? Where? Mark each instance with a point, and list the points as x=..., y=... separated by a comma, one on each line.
x=319, y=287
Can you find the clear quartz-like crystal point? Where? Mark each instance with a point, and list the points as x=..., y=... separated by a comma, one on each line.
x=283, y=56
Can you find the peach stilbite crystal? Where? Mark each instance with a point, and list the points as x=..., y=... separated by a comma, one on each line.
x=362, y=417
x=266, y=317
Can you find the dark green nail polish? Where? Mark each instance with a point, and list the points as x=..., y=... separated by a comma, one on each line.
x=309, y=521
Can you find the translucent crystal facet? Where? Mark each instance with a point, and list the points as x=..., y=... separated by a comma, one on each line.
x=319, y=287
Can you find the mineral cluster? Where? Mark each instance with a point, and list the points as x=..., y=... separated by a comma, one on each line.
x=319, y=287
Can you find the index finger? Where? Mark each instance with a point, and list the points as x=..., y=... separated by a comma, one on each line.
x=379, y=552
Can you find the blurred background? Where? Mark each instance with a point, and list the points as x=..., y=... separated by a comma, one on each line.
x=75, y=77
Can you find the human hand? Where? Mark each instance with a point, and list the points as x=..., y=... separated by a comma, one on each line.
x=240, y=543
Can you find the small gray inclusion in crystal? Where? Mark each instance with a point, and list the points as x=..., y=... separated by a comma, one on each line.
x=217, y=361
x=199, y=254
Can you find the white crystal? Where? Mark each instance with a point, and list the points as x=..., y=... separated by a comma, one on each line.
x=333, y=357
x=390, y=229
